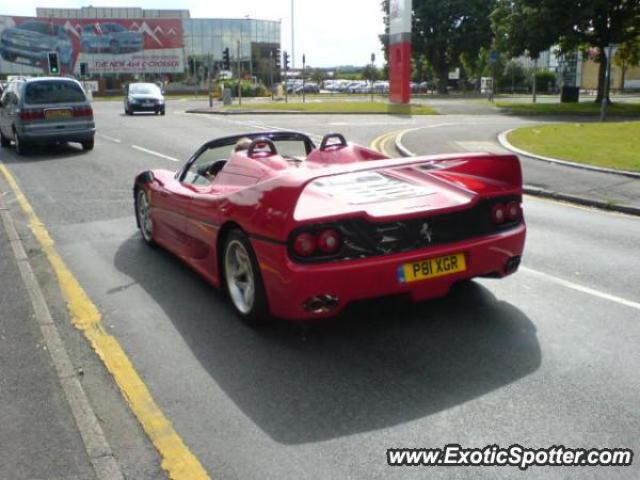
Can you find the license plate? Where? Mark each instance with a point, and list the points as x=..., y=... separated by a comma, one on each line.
x=49, y=114
x=431, y=268
x=147, y=104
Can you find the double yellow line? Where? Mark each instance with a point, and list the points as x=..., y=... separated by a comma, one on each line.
x=177, y=459
x=381, y=143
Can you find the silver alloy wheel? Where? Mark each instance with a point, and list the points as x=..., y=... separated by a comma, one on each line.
x=144, y=216
x=239, y=276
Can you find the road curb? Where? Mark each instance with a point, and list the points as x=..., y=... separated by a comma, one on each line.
x=502, y=139
x=543, y=193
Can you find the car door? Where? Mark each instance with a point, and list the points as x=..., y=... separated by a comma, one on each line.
x=170, y=201
x=204, y=216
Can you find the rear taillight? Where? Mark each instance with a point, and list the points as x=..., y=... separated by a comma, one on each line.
x=513, y=211
x=83, y=112
x=329, y=241
x=305, y=244
x=27, y=114
x=498, y=213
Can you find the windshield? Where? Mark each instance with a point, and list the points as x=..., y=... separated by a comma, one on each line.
x=53, y=91
x=39, y=27
x=144, y=89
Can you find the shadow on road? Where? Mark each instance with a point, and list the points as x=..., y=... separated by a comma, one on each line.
x=40, y=153
x=379, y=364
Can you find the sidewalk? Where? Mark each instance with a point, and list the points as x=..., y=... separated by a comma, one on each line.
x=38, y=433
x=598, y=189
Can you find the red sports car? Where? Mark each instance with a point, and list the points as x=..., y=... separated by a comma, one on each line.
x=298, y=231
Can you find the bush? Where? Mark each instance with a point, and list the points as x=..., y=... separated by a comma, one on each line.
x=545, y=81
x=249, y=89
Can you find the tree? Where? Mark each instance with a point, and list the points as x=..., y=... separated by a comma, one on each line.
x=370, y=72
x=628, y=55
x=532, y=26
x=445, y=29
x=318, y=75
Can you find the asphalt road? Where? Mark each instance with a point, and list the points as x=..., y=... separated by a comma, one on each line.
x=535, y=359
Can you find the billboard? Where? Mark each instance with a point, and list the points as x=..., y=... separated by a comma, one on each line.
x=107, y=45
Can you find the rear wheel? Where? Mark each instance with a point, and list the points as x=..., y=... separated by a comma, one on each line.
x=162, y=112
x=87, y=145
x=21, y=147
x=243, y=279
x=143, y=213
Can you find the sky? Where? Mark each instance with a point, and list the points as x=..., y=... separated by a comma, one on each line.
x=328, y=32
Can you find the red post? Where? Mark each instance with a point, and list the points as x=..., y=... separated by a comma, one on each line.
x=400, y=51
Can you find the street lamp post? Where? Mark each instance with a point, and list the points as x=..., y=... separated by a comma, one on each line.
x=304, y=61
x=373, y=59
x=239, y=75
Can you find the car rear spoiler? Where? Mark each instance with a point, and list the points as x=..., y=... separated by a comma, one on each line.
x=466, y=176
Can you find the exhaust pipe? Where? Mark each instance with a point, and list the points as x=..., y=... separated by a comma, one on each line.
x=320, y=303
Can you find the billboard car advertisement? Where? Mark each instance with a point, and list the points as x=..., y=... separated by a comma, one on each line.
x=106, y=45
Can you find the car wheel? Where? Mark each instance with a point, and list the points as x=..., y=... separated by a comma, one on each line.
x=87, y=145
x=243, y=279
x=143, y=213
x=162, y=112
x=4, y=141
x=21, y=147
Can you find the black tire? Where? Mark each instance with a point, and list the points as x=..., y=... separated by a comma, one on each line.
x=256, y=312
x=87, y=145
x=162, y=112
x=21, y=146
x=146, y=230
x=4, y=141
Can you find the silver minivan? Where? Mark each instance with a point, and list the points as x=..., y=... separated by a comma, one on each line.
x=45, y=110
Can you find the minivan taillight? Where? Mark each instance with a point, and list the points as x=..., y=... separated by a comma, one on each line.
x=27, y=114
x=83, y=112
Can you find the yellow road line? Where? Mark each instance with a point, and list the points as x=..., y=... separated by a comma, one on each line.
x=177, y=459
x=380, y=142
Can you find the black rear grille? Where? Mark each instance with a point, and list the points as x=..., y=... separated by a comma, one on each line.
x=362, y=239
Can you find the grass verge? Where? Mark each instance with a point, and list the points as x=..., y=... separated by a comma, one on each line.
x=338, y=107
x=584, y=108
x=611, y=145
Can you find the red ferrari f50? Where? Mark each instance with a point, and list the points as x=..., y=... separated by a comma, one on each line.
x=298, y=231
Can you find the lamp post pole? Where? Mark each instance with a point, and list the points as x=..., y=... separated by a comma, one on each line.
x=293, y=51
x=373, y=59
x=239, y=75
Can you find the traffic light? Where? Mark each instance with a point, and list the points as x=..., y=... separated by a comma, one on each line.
x=276, y=56
x=54, y=65
x=226, y=60
x=84, y=69
x=285, y=60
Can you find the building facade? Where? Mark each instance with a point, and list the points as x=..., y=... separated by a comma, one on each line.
x=126, y=42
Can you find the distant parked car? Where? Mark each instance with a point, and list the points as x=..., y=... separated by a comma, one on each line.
x=45, y=110
x=309, y=87
x=144, y=97
x=110, y=38
x=32, y=40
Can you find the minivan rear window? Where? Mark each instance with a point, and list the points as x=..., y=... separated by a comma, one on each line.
x=53, y=91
